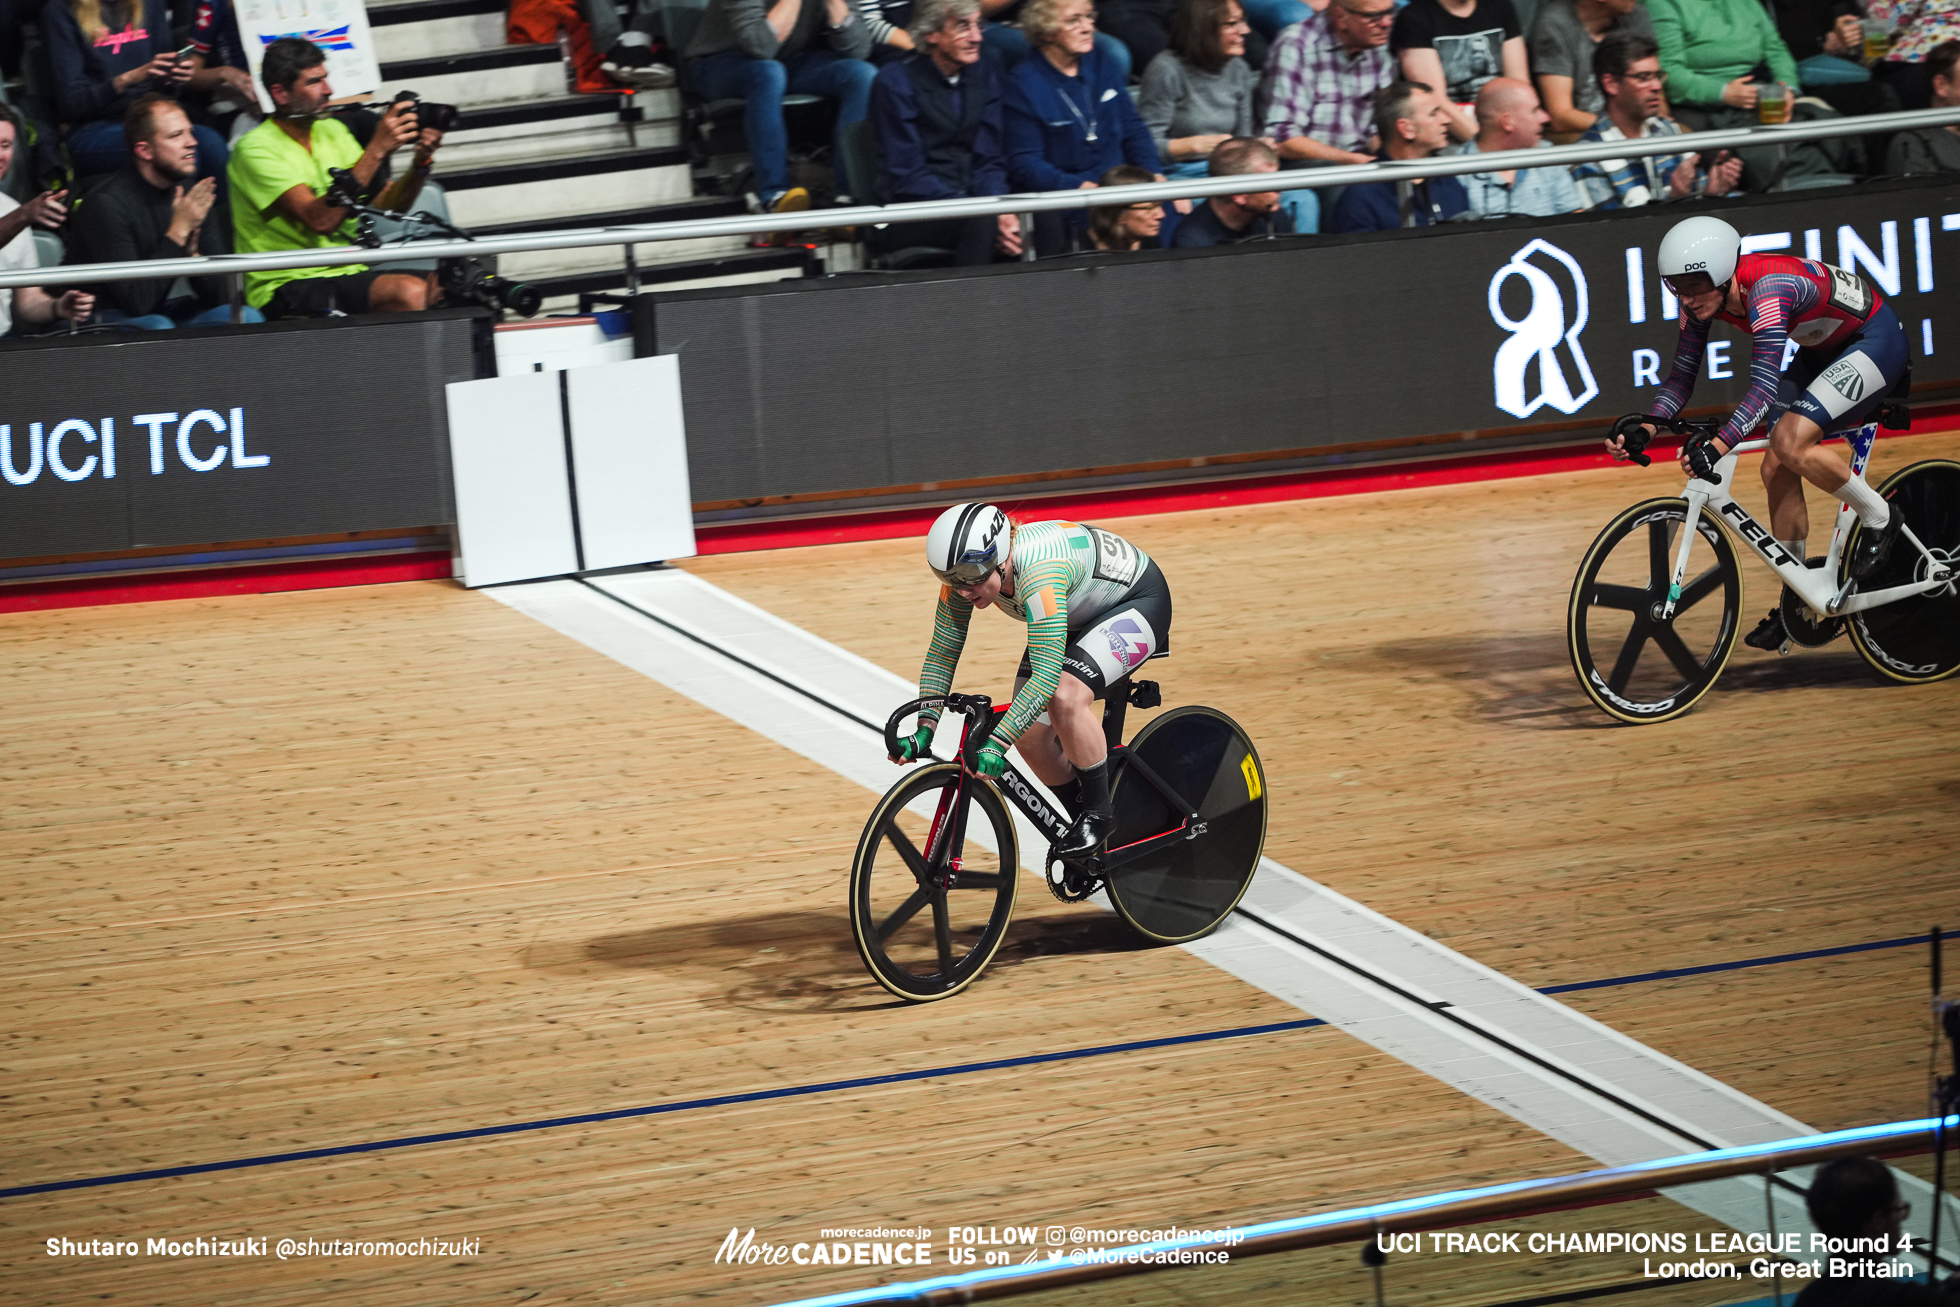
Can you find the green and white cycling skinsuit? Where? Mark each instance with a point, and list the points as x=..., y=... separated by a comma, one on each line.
x=1095, y=606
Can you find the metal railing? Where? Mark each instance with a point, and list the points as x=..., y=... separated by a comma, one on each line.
x=1024, y=204
x=1432, y=1212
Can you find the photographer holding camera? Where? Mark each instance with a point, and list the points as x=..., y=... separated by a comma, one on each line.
x=281, y=183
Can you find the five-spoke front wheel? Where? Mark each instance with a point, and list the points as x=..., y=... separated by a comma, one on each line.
x=1635, y=663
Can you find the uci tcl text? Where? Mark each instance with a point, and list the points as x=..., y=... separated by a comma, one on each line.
x=76, y=449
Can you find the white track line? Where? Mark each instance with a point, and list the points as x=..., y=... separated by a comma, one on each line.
x=1527, y=1055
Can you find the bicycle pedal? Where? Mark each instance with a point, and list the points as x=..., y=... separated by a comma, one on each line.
x=1783, y=650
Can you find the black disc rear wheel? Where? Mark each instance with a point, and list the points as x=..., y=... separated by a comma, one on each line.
x=924, y=927
x=1916, y=639
x=1631, y=663
x=1185, y=888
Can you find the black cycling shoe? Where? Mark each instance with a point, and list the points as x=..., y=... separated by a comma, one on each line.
x=1769, y=633
x=1873, y=548
x=1086, y=834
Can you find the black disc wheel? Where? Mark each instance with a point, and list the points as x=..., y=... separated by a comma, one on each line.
x=1634, y=664
x=928, y=907
x=1184, y=888
x=1915, y=639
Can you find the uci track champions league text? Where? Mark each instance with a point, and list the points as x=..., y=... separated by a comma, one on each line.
x=77, y=448
x=1542, y=298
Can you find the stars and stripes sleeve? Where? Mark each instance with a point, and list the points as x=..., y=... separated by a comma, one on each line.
x=1771, y=306
x=1680, y=383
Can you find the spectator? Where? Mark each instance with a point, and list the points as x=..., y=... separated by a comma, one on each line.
x=1069, y=118
x=1828, y=43
x=1563, y=40
x=937, y=115
x=1509, y=117
x=47, y=210
x=1125, y=226
x=1710, y=50
x=890, y=24
x=1148, y=27
x=1006, y=40
x=29, y=303
x=1918, y=26
x=631, y=55
x=1414, y=123
x=1271, y=17
x=154, y=209
x=1928, y=149
x=1198, y=94
x=106, y=53
x=218, y=67
x=1858, y=1198
x=279, y=183
x=1628, y=67
x=1230, y=219
x=757, y=51
x=1459, y=45
x=1322, y=79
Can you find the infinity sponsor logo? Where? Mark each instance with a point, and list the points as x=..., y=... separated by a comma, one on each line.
x=1531, y=368
x=76, y=449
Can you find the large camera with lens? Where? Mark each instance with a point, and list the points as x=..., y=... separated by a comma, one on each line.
x=474, y=280
x=428, y=114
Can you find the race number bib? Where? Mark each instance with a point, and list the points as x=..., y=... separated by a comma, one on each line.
x=1116, y=558
x=1849, y=293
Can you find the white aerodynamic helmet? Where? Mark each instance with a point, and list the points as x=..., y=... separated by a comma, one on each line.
x=1700, y=247
x=967, y=542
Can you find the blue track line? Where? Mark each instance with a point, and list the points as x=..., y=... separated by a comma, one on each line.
x=864, y=1082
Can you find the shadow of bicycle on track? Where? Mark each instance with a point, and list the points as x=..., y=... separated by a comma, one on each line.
x=800, y=961
x=1527, y=682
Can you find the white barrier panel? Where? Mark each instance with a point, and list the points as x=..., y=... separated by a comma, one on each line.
x=513, y=495
x=629, y=462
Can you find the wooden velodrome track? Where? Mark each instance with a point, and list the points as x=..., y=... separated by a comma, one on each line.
x=301, y=871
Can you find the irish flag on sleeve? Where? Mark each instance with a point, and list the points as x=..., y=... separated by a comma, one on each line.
x=1043, y=604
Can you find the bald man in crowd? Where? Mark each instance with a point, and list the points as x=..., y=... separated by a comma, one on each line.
x=1509, y=117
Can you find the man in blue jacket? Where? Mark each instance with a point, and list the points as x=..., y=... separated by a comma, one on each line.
x=1414, y=124
x=937, y=116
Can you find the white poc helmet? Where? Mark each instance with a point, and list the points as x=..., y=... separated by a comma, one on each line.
x=967, y=542
x=1700, y=247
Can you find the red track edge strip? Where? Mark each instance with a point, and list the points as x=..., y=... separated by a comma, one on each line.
x=258, y=579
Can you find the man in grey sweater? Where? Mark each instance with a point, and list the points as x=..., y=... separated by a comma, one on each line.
x=1932, y=149
x=760, y=50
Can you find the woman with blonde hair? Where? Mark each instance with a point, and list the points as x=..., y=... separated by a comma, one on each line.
x=1069, y=118
x=107, y=55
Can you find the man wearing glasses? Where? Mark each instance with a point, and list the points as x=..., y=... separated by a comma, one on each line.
x=1628, y=67
x=1321, y=79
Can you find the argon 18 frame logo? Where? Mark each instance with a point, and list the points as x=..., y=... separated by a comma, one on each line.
x=1542, y=363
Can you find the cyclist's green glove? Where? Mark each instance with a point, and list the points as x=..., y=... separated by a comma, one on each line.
x=990, y=761
x=913, y=747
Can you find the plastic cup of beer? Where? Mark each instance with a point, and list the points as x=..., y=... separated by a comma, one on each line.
x=1773, y=103
x=1878, y=39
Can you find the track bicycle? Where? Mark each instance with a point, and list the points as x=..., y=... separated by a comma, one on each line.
x=1654, y=610
x=931, y=894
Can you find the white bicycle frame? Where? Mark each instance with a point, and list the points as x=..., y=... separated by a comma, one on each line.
x=1813, y=585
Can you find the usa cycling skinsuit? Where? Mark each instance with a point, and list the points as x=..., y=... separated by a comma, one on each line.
x=1851, y=348
x=1094, y=604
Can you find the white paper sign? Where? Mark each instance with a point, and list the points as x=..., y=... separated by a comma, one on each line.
x=338, y=27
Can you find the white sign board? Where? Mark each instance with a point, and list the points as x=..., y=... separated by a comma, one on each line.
x=338, y=27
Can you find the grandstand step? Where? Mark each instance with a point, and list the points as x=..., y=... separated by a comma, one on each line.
x=506, y=73
x=597, y=134
x=628, y=179
x=688, y=210
x=734, y=270
x=536, y=266
x=435, y=27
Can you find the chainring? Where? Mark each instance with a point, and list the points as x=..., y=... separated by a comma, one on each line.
x=1800, y=621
